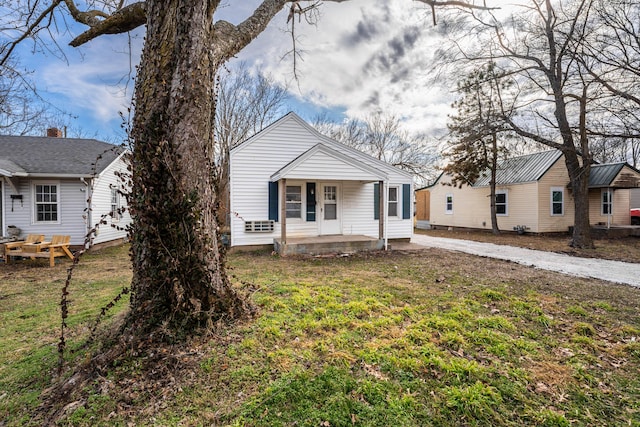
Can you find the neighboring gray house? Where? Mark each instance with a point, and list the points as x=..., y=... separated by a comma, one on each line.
x=303, y=192
x=63, y=186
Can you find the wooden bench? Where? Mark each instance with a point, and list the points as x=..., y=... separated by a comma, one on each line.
x=15, y=248
x=57, y=247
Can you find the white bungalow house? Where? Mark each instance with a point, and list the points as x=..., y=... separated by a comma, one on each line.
x=533, y=193
x=302, y=192
x=62, y=186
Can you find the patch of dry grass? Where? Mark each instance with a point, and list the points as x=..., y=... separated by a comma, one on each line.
x=415, y=338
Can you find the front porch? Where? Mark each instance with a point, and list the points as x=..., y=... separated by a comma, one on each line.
x=327, y=244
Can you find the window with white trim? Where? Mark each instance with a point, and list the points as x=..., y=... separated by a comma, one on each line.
x=502, y=203
x=557, y=201
x=606, y=197
x=116, y=215
x=294, y=201
x=46, y=198
x=448, y=207
x=393, y=201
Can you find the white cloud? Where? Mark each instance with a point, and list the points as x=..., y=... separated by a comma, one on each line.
x=97, y=84
x=362, y=57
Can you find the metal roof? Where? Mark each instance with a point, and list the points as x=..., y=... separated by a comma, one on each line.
x=56, y=156
x=603, y=175
x=521, y=169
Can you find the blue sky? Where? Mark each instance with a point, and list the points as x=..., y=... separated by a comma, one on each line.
x=361, y=57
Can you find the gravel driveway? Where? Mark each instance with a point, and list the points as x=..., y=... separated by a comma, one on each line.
x=612, y=271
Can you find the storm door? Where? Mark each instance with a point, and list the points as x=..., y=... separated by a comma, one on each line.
x=330, y=209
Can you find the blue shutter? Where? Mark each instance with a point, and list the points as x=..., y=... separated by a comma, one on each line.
x=406, y=201
x=311, y=201
x=273, y=201
x=376, y=201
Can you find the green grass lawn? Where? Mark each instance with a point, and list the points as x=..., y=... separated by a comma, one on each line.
x=400, y=339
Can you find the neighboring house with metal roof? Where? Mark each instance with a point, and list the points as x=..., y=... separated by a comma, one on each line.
x=533, y=192
x=63, y=186
x=300, y=191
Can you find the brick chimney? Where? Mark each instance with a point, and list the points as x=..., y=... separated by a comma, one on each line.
x=54, y=133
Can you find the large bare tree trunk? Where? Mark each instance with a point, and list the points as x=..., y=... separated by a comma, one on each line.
x=179, y=272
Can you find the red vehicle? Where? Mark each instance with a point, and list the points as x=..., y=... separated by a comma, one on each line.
x=635, y=216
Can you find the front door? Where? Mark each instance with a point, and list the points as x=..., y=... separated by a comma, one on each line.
x=330, y=209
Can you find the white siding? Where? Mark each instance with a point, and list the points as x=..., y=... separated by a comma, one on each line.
x=323, y=166
x=101, y=204
x=70, y=216
x=72, y=206
x=253, y=163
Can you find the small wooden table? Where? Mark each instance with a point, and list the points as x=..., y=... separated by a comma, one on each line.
x=34, y=247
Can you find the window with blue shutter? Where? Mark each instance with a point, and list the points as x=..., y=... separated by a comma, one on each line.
x=406, y=201
x=311, y=201
x=376, y=201
x=273, y=201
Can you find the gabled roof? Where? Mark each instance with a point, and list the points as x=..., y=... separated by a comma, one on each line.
x=309, y=165
x=325, y=140
x=521, y=169
x=55, y=157
x=603, y=175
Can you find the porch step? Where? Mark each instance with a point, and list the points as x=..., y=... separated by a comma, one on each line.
x=327, y=244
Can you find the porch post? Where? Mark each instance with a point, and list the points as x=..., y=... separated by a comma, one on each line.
x=381, y=216
x=283, y=211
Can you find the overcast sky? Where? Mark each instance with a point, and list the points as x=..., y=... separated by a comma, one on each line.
x=362, y=56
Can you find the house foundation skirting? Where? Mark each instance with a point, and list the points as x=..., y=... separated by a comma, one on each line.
x=327, y=244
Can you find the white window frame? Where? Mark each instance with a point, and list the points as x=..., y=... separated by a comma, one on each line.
x=604, y=203
x=300, y=202
x=551, y=201
x=448, y=209
x=506, y=202
x=395, y=202
x=34, y=192
x=115, y=205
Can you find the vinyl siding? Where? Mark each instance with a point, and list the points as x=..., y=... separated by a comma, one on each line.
x=70, y=209
x=620, y=207
x=101, y=204
x=522, y=209
x=472, y=206
x=72, y=205
x=323, y=166
x=253, y=163
x=556, y=176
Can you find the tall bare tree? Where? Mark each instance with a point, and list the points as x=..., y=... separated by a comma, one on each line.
x=246, y=102
x=21, y=110
x=473, y=147
x=383, y=136
x=556, y=98
x=611, y=56
x=179, y=278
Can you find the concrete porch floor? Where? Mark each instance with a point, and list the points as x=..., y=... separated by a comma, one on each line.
x=327, y=244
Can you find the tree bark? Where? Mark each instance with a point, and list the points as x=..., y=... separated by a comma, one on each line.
x=179, y=273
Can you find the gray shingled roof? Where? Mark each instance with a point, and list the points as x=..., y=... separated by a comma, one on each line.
x=603, y=175
x=55, y=156
x=521, y=169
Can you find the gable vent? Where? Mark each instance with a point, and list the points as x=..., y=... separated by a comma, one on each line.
x=258, y=226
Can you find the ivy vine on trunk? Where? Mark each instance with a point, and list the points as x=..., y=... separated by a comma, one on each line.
x=179, y=271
